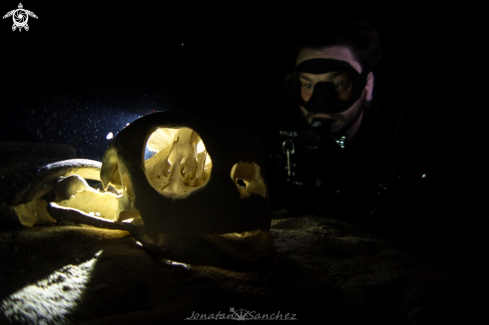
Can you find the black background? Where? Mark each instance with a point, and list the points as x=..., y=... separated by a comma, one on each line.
x=84, y=70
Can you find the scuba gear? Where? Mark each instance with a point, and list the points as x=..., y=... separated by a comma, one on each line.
x=337, y=95
x=323, y=126
x=309, y=156
x=315, y=170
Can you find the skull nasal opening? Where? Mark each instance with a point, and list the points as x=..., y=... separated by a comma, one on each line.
x=176, y=161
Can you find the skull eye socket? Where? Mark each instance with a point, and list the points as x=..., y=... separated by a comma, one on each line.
x=176, y=161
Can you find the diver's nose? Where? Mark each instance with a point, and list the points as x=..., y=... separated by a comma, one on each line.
x=318, y=102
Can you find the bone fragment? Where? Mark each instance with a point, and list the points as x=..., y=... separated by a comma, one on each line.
x=129, y=214
x=43, y=177
x=89, y=200
x=33, y=212
x=69, y=186
x=65, y=214
x=70, y=189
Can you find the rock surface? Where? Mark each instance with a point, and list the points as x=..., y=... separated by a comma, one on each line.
x=325, y=270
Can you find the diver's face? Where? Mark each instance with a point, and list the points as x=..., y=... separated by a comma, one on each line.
x=349, y=118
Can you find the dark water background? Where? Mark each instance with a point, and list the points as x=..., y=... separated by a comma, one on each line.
x=84, y=70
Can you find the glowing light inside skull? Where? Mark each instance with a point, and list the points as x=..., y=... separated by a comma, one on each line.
x=160, y=139
x=179, y=162
x=200, y=147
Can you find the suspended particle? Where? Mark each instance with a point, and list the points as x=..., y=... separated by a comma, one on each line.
x=110, y=136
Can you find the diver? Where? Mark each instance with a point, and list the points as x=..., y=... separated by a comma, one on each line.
x=354, y=148
x=348, y=152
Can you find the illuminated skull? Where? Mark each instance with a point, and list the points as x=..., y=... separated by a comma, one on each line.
x=192, y=180
x=191, y=189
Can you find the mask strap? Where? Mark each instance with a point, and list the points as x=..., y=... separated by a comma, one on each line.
x=371, y=66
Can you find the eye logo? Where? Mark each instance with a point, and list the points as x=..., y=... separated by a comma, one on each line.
x=20, y=17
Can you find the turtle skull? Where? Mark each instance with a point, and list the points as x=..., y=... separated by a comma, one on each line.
x=193, y=182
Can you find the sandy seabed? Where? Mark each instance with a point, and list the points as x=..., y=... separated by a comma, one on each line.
x=325, y=270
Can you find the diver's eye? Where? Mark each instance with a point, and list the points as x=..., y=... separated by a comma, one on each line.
x=341, y=84
x=308, y=86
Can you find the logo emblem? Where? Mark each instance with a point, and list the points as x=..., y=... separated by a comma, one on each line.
x=20, y=17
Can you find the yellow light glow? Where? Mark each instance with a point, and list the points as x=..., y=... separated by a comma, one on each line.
x=200, y=146
x=161, y=139
x=94, y=203
x=91, y=214
x=181, y=163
